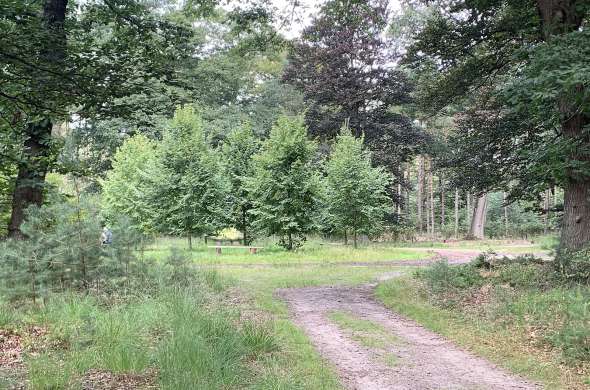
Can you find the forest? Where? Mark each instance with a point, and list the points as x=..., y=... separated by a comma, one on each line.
x=294, y=194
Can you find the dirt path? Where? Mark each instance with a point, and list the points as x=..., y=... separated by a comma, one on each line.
x=423, y=359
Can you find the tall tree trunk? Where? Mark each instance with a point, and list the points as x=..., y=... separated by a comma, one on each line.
x=468, y=210
x=575, y=230
x=407, y=193
x=441, y=184
x=399, y=199
x=456, y=212
x=244, y=228
x=34, y=164
x=354, y=237
x=431, y=196
x=505, y=207
x=345, y=237
x=546, y=205
x=190, y=242
x=419, y=192
x=479, y=217
x=561, y=17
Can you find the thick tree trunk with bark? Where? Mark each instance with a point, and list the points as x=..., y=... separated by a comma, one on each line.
x=478, y=221
x=575, y=230
x=34, y=164
x=31, y=174
x=562, y=17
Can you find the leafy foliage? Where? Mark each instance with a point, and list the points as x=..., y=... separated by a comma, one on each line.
x=356, y=195
x=190, y=187
x=127, y=186
x=285, y=184
x=238, y=149
x=342, y=66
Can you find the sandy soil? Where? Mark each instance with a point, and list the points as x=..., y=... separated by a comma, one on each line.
x=424, y=360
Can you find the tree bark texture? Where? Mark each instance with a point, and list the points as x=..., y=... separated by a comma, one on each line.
x=479, y=217
x=456, y=212
x=561, y=17
x=442, y=201
x=431, y=196
x=33, y=166
x=468, y=209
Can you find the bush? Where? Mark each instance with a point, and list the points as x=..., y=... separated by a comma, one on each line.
x=489, y=260
x=442, y=277
x=62, y=251
x=523, y=275
x=574, y=266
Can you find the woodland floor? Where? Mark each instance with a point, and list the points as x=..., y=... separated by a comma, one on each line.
x=372, y=347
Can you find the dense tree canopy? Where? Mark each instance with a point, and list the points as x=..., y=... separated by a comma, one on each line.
x=518, y=70
x=346, y=73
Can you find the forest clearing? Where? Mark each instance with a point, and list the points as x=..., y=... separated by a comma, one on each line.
x=294, y=194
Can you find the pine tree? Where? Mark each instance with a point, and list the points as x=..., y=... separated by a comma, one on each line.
x=191, y=190
x=285, y=185
x=356, y=191
x=240, y=146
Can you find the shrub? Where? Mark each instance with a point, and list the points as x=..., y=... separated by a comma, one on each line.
x=574, y=266
x=523, y=275
x=179, y=270
x=489, y=260
x=62, y=251
x=442, y=277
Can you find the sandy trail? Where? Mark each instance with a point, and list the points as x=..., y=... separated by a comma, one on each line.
x=424, y=360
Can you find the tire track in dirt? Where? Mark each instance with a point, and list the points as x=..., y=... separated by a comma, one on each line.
x=425, y=360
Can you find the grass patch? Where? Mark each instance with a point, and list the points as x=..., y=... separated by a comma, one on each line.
x=314, y=251
x=505, y=327
x=185, y=332
x=367, y=333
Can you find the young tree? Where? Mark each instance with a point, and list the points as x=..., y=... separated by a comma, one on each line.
x=285, y=185
x=127, y=186
x=356, y=191
x=190, y=187
x=238, y=149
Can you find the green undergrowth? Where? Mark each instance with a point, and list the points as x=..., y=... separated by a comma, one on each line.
x=517, y=313
x=172, y=333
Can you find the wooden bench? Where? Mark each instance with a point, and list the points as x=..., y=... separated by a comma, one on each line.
x=252, y=249
x=219, y=240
